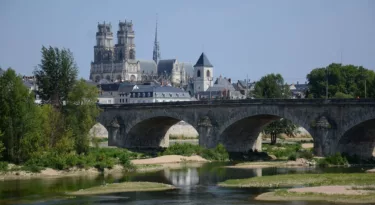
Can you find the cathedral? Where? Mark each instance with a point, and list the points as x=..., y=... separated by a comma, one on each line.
x=118, y=63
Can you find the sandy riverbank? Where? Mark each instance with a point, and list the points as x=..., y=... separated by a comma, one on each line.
x=300, y=162
x=142, y=165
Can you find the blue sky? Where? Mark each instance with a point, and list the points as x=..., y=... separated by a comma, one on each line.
x=240, y=37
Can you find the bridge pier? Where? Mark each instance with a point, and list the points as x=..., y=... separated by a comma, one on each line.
x=206, y=133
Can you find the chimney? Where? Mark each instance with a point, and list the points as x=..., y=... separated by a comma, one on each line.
x=297, y=83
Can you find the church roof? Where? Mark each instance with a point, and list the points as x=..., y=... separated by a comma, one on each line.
x=166, y=66
x=148, y=66
x=189, y=69
x=203, y=61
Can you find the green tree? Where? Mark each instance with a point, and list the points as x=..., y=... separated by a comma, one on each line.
x=55, y=75
x=2, y=147
x=279, y=127
x=17, y=118
x=344, y=81
x=82, y=112
x=271, y=86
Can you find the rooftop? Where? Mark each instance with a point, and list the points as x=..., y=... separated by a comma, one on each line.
x=203, y=61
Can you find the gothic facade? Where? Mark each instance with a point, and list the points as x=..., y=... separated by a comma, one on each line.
x=118, y=63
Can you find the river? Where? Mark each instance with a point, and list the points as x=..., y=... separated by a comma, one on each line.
x=196, y=185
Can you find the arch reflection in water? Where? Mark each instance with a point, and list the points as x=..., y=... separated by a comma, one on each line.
x=185, y=177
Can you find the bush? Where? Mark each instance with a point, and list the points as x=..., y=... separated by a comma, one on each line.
x=292, y=157
x=183, y=149
x=218, y=153
x=3, y=166
x=333, y=160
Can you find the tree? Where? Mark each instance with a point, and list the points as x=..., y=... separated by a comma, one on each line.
x=17, y=118
x=271, y=86
x=344, y=81
x=55, y=75
x=2, y=147
x=278, y=127
x=81, y=113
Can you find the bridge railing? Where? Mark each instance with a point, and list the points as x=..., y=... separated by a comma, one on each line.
x=245, y=101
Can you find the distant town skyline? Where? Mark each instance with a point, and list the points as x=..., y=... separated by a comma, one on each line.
x=241, y=38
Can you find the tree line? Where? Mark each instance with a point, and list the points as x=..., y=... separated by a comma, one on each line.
x=61, y=124
x=344, y=81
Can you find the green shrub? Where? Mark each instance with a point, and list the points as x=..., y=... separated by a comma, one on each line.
x=3, y=166
x=333, y=160
x=218, y=153
x=292, y=157
x=183, y=149
x=32, y=168
x=306, y=154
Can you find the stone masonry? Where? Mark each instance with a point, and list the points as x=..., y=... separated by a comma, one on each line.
x=336, y=125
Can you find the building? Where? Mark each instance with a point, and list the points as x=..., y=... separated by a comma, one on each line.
x=30, y=83
x=108, y=93
x=299, y=90
x=175, y=72
x=126, y=93
x=221, y=89
x=118, y=63
x=154, y=94
x=203, y=74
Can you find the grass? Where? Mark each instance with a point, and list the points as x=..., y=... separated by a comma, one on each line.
x=289, y=180
x=288, y=151
x=217, y=154
x=182, y=137
x=123, y=187
x=146, y=167
x=283, y=195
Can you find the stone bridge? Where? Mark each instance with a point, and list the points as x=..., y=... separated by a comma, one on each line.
x=336, y=125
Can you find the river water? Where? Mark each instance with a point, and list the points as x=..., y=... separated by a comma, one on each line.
x=196, y=185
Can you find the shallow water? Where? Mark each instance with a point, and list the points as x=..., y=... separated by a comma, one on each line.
x=195, y=186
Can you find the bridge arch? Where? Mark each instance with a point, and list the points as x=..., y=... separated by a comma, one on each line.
x=150, y=131
x=359, y=140
x=241, y=131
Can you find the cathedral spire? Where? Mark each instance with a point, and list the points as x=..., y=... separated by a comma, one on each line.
x=156, y=52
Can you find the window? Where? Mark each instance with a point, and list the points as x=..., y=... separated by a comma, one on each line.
x=146, y=94
x=208, y=73
x=199, y=73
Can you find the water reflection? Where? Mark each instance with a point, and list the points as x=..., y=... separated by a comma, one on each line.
x=196, y=185
x=184, y=177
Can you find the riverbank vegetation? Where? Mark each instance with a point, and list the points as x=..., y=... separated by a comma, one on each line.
x=289, y=180
x=182, y=137
x=218, y=153
x=285, y=195
x=55, y=133
x=123, y=187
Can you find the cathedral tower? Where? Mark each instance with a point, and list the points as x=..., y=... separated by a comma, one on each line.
x=103, y=50
x=203, y=74
x=125, y=47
